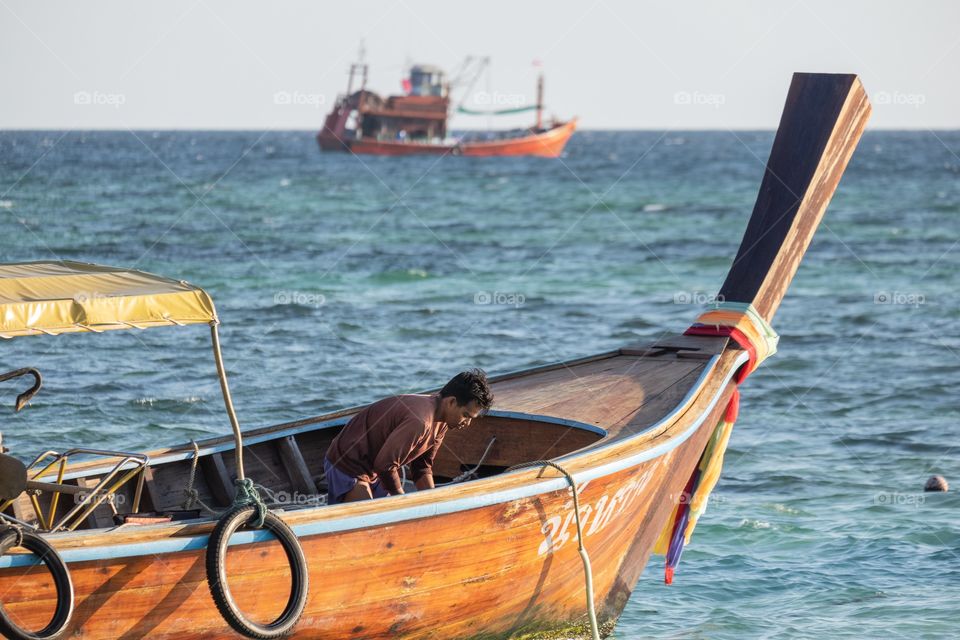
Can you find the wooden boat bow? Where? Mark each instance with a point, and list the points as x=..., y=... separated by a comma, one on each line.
x=637, y=428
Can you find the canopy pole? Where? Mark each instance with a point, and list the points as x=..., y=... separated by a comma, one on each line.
x=227, y=400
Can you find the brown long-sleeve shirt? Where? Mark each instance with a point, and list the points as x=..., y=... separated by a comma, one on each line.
x=387, y=435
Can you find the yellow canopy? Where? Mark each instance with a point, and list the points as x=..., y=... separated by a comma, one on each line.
x=63, y=297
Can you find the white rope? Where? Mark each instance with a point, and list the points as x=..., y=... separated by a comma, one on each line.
x=587, y=571
x=193, y=497
x=469, y=472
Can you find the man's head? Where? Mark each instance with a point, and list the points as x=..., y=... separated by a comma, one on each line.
x=464, y=398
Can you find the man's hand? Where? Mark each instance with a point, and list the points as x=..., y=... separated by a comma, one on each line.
x=425, y=482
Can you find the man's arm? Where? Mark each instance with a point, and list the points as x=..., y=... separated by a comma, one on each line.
x=398, y=447
x=422, y=467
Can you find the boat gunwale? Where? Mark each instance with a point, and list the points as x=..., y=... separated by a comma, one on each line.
x=563, y=128
x=552, y=132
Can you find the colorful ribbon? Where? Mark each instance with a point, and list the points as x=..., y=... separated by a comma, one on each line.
x=742, y=324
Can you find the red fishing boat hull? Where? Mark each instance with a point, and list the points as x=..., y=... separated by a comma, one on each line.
x=548, y=144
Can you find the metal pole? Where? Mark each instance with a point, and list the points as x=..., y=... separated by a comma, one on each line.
x=540, y=102
x=227, y=400
x=353, y=68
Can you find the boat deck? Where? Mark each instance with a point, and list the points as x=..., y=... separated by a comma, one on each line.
x=623, y=392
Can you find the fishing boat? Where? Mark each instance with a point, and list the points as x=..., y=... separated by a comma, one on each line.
x=415, y=123
x=550, y=507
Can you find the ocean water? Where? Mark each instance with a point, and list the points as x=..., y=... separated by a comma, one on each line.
x=340, y=279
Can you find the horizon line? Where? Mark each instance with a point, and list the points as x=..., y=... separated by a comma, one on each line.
x=6, y=129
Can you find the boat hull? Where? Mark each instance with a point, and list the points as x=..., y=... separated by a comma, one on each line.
x=548, y=144
x=499, y=564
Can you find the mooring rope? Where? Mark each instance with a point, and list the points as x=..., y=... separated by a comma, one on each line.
x=247, y=496
x=587, y=571
x=17, y=531
x=193, y=496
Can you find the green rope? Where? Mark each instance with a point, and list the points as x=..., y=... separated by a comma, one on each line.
x=247, y=495
x=495, y=112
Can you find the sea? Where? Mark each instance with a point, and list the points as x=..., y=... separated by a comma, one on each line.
x=340, y=279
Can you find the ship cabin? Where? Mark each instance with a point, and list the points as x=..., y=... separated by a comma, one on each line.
x=419, y=115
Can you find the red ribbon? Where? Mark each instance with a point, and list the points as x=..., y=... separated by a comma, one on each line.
x=737, y=336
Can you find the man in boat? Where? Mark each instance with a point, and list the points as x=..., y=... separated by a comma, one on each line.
x=365, y=459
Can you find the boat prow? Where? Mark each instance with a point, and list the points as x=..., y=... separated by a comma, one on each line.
x=547, y=143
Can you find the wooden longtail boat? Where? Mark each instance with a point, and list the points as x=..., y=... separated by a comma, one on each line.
x=640, y=430
x=416, y=123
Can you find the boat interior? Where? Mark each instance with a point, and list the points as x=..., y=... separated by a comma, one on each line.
x=544, y=413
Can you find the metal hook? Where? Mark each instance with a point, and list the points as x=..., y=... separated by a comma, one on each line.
x=27, y=395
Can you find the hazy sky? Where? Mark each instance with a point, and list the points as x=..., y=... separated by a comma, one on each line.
x=279, y=65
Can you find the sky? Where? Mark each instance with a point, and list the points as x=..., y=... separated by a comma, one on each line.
x=212, y=64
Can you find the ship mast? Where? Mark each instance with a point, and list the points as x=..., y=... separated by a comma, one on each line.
x=359, y=66
x=540, y=101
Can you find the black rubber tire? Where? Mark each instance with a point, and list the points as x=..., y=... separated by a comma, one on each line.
x=228, y=524
x=61, y=579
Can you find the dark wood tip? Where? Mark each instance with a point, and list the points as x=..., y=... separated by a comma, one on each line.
x=823, y=119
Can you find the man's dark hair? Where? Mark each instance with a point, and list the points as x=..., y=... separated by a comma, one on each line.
x=467, y=386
